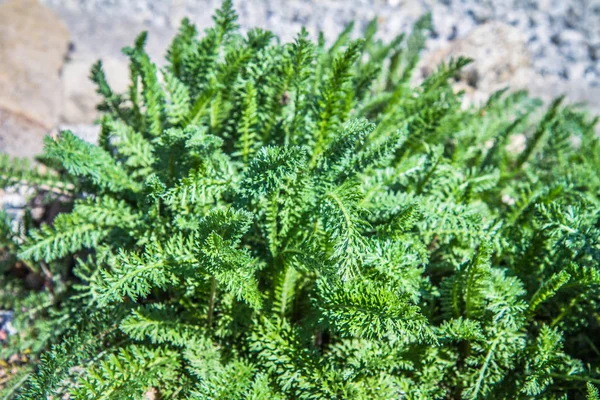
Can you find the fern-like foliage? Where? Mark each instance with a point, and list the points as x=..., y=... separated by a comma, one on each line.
x=298, y=221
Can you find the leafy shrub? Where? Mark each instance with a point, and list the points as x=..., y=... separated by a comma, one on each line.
x=242, y=232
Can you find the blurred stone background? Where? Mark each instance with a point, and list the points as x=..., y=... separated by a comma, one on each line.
x=550, y=47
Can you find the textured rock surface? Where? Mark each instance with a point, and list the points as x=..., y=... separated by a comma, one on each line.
x=33, y=45
x=500, y=57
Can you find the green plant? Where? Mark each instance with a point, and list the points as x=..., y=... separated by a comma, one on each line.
x=242, y=232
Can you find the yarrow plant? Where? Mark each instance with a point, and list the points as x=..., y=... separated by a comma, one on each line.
x=299, y=221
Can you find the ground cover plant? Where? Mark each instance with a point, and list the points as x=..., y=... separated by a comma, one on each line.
x=299, y=221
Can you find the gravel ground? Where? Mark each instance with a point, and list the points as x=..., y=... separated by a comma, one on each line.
x=563, y=36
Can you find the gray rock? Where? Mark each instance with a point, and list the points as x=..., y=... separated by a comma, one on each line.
x=6, y=317
x=577, y=71
x=481, y=13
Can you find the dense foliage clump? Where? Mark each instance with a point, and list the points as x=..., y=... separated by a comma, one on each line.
x=298, y=221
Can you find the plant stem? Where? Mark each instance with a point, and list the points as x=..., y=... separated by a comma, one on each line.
x=576, y=378
x=564, y=312
x=211, y=302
